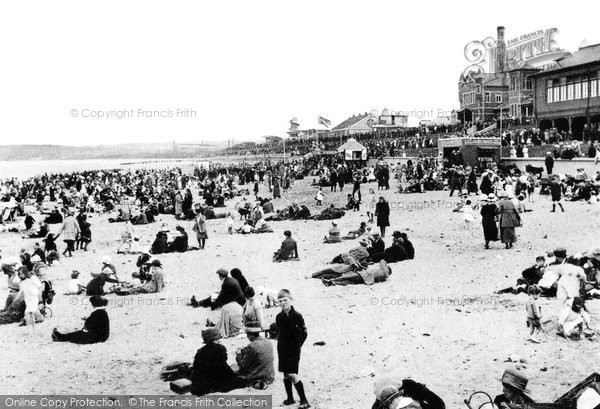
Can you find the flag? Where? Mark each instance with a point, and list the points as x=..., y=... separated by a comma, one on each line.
x=324, y=121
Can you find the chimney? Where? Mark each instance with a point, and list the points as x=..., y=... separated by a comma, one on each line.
x=500, y=50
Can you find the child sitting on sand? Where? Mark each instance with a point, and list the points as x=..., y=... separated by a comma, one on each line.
x=76, y=287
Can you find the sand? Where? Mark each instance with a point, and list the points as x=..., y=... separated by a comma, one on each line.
x=436, y=320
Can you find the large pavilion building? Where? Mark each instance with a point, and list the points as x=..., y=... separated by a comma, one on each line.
x=567, y=96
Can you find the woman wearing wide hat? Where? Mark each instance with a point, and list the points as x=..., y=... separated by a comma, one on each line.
x=210, y=372
x=514, y=391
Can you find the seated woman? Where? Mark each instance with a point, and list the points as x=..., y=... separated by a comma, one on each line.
x=14, y=277
x=408, y=246
x=42, y=231
x=573, y=320
x=396, y=252
x=179, y=243
x=390, y=392
x=96, y=285
x=362, y=229
x=15, y=312
x=334, y=234
x=288, y=250
x=231, y=321
x=252, y=309
x=239, y=276
x=96, y=327
x=144, y=266
x=514, y=390
x=160, y=244
x=155, y=285
x=376, y=273
x=210, y=372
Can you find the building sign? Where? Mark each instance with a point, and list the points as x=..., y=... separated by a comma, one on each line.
x=532, y=48
x=483, y=141
x=538, y=49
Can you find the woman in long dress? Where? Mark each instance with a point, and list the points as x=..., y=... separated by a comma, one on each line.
x=488, y=220
x=509, y=218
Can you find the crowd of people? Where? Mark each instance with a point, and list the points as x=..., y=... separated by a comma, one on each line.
x=44, y=210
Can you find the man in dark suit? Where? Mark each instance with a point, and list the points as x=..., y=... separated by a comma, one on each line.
x=549, y=162
x=230, y=291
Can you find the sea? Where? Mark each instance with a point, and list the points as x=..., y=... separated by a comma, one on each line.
x=28, y=168
x=22, y=169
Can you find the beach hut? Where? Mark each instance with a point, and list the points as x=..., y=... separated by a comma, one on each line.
x=353, y=150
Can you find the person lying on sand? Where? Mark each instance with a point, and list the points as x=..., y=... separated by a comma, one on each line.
x=354, y=234
x=376, y=273
x=356, y=256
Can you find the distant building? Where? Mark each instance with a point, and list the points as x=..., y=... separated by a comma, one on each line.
x=390, y=121
x=481, y=99
x=313, y=133
x=504, y=88
x=361, y=123
x=567, y=96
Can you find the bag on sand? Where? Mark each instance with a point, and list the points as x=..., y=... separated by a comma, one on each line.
x=175, y=371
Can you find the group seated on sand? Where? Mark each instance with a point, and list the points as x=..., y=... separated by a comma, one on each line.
x=571, y=280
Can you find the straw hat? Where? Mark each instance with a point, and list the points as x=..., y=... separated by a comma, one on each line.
x=515, y=379
x=483, y=197
x=106, y=260
x=387, y=389
x=491, y=197
x=253, y=327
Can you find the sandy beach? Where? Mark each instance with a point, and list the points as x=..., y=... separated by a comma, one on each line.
x=436, y=320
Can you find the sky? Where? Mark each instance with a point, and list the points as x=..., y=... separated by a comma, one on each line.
x=91, y=72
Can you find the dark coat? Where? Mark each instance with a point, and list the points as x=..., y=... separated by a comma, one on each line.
x=291, y=335
x=97, y=325
x=230, y=291
x=549, y=161
x=210, y=372
x=377, y=247
x=488, y=220
x=96, y=284
x=486, y=186
x=382, y=211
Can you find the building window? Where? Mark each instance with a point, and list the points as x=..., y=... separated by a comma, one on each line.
x=594, y=88
x=556, y=96
x=479, y=88
x=549, y=95
x=528, y=84
x=584, y=89
x=570, y=91
x=488, y=96
x=498, y=97
x=577, y=90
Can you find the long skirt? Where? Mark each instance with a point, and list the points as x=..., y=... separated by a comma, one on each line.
x=231, y=322
x=490, y=230
x=508, y=235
